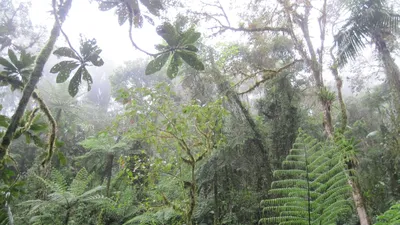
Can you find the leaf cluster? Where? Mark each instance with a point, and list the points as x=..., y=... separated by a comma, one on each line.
x=89, y=56
x=180, y=47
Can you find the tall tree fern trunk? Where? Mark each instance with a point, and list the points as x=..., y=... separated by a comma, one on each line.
x=108, y=171
x=392, y=72
x=359, y=202
x=355, y=187
x=215, y=187
x=33, y=79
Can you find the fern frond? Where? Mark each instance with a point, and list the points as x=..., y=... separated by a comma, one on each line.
x=312, y=187
x=81, y=182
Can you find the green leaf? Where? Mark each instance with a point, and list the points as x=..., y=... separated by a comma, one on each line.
x=190, y=36
x=8, y=66
x=95, y=59
x=76, y=80
x=4, y=121
x=87, y=77
x=161, y=48
x=156, y=64
x=173, y=67
x=122, y=12
x=191, y=48
x=27, y=59
x=63, y=69
x=66, y=52
x=37, y=127
x=14, y=59
x=107, y=5
x=62, y=158
x=168, y=33
x=154, y=6
x=191, y=59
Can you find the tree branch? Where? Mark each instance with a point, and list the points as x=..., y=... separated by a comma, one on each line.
x=271, y=73
x=33, y=80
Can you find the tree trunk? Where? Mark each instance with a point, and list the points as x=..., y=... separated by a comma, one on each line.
x=215, y=187
x=355, y=187
x=224, y=88
x=391, y=69
x=359, y=202
x=33, y=80
x=66, y=220
x=108, y=171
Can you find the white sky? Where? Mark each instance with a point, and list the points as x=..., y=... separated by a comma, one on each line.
x=85, y=18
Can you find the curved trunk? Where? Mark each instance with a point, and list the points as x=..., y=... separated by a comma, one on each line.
x=233, y=97
x=33, y=80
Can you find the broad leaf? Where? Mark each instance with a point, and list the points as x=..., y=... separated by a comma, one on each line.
x=154, y=6
x=76, y=80
x=168, y=33
x=63, y=69
x=88, y=48
x=136, y=14
x=161, y=48
x=122, y=12
x=149, y=19
x=191, y=59
x=191, y=48
x=8, y=66
x=95, y=59
x=27, y=59
x=4, y=121
x=87, y=77
x=107, y=5
x=37, y=127
x=66, y=52
x=14, y=59
x=190, y=36
x=156, y=64
x=173, y=67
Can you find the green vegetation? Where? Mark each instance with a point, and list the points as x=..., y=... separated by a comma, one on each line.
x=221, y=123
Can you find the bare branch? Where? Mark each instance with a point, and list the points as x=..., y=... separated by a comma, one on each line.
x=272, y=74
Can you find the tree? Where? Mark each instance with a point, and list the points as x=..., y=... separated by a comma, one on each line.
x=34, y=78
x=193, y=131
x=311, y=187
x=371, y=19
x=63, y=198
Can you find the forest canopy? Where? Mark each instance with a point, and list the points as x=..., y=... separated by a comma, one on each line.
x=213, y=112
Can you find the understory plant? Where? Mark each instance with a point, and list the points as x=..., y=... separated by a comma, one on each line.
x=311, y=188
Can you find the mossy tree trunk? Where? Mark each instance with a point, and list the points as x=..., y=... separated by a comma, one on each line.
x=34, y=78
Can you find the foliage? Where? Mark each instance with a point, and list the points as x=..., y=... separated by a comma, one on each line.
x=63, y=197
x=130, y=10
x=89, y=56
x=311, y=188
x=180, y=46
x=193, y=131
x=390, y=217
x=16, y=71
x=372, y=19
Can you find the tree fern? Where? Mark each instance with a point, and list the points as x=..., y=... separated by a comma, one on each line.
x=390, y=217
x=311, y=188
x=62, y=198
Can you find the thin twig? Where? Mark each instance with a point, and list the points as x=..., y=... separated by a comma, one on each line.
x=64, y=34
